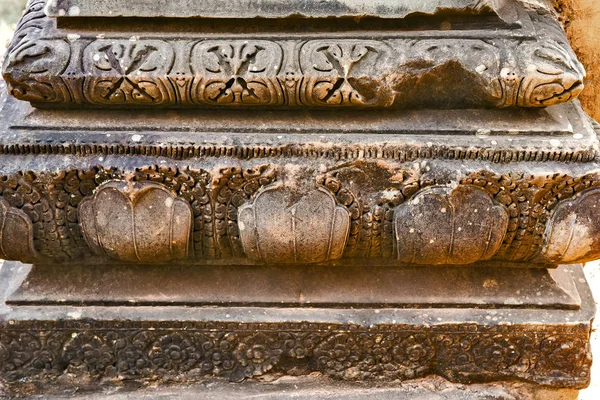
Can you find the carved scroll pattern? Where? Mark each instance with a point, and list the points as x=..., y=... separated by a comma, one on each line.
x=546, y=72
x=460, y=353
x=392, y=72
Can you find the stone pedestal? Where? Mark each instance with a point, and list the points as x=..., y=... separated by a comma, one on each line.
x=181, y=325
x=361, y=193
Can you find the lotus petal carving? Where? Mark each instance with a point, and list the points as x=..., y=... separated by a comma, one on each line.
x=16, y=234
x=441, y=225
x=137, y=222
x=280, y=227
x=573, y=232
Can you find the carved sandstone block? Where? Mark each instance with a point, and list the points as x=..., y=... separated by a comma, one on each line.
x=283, y=227
x=441, y=225
x=275, y=9
x=137, y=222
x=344, y=73
x=523, y=63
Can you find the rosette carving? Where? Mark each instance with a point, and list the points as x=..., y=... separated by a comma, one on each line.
x=441, y=225
x=282, y=227
x=137, y=222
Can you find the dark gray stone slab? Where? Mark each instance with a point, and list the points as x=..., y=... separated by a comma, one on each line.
x=361, y=287
x=561, y=132
x=271, y=8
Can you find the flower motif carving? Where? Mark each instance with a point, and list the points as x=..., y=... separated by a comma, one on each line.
x=137, y=222
x=279, y=227
x=338, y=353
x=88, y=353
x=256, y=355
x=414, y=352
x=495, y=353
x=176, y=353
x=441, y=225
x=236, y=352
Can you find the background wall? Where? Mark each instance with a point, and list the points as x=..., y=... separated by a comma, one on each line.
x=10, y=11
x=581, y=19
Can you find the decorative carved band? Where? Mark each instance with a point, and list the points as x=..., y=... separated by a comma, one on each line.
x=557, y=356
x=246, y=215
x=407, y=72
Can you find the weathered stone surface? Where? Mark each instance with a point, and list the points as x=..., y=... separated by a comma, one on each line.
x=262, y=234
x=441, y=225
x=16, y=232
x=272, y=8
x=284, y=227
x=310, y=286
x=530, y=65
x=317, y=387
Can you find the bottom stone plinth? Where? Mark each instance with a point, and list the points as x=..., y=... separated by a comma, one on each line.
x=314, y=387
x=528, y=326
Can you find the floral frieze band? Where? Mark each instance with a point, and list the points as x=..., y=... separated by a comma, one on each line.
x=559, y=356
x=251, y=216
x=395, y=72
